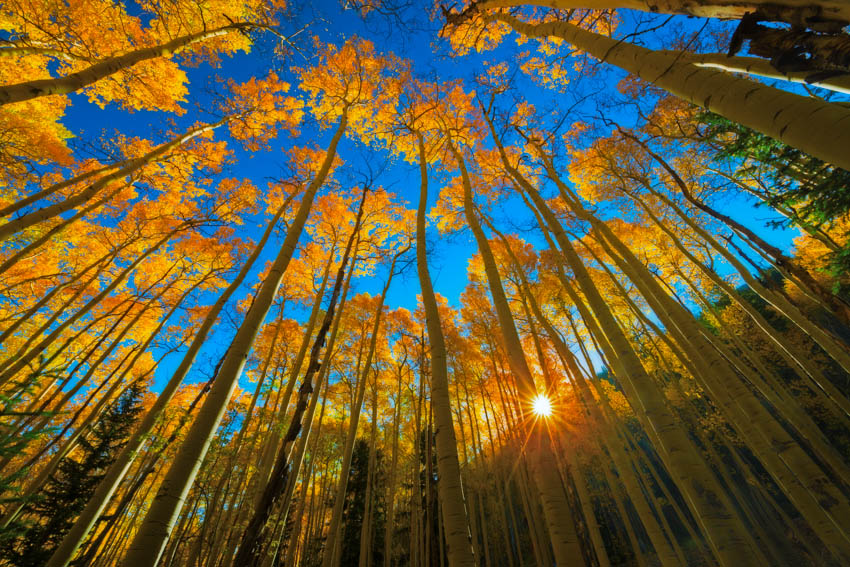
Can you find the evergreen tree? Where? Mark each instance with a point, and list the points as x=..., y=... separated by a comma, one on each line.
x=355, y=506
x=13, y=444
x=52, y=514
x=813, y=191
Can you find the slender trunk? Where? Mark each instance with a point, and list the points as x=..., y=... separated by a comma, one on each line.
x=804, y=279
x=71, y=441
x=562, y=530
x=23, y=359
x=819, y=128
x=51, y=189
x=58, y=311
x=107, y=486
x=115, y=179
x=252, y=539
x=273, y=441
x=710, y=505
x=366, y=532
x=30, y=313
x=75, y=81
x=296, y=460
x=764, y=68
x=820, y=502
x=329, y=560
x=618, y=496
x=390, y=525
x=503, y=502
x=589, y=513
x=42, y=416
x=150, y=540
x=455, y=521
x=222, y=522
x=793, y=355
x=273, y=434
x=308, y=479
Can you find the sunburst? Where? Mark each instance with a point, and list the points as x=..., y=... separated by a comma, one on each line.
x=541, y=406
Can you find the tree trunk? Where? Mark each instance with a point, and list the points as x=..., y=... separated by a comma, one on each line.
x=790, y=11
x=710, y=505
x=308, y=479
x=87, y=518
x=390, y=525
x=75, y=81
x=455, y=521
x=819, y=128
x=366, y=531
x=150, y=540
x=251, y=545
x=807, y=486
x=329, y=559
x=48, y=212
x=804, y=279
x=23, y=359
x=763, y=68
x=562, y=530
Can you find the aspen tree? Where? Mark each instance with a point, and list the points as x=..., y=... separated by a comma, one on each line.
x=784, y=10
x=336, y=517
x=322, y=379
x=254, y=113
x=454, y=513
x=20, y=360
x=396, y=431
x=740, y=406
x=308, y=475
x=252, y=538
x=113, y=179
x=818, y=128
x=722, y=529
x=149, y=542
x=75, y=537
x=271, y=443
x=789, y=352
x=803, y=278
x=624, y=469
x=80, y=79
x=96, y=406
x=366, y=534
x=562, y=530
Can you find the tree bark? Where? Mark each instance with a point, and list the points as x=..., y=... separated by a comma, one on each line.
x=75, y=81
x=819, y=128
x=791, y=11
x=453, y=509
x=150, y=540
x=86, y=520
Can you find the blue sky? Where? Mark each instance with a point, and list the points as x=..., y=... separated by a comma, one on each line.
x=449, y=255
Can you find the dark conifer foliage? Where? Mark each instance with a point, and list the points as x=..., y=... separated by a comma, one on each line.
x=48, y=516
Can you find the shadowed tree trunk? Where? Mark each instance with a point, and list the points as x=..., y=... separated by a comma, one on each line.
x=150, y=540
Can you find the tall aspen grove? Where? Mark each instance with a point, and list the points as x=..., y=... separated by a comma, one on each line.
x=424, y=283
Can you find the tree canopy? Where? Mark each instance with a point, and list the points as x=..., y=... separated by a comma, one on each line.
x=398, y=283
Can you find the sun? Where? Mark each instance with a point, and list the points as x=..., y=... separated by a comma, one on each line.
x=541, y=406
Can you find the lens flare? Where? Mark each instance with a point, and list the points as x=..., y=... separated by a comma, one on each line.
x=541, y=406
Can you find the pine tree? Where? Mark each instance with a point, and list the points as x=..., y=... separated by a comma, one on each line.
x=813, y=191
x=355, y=506
x=52, y=514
